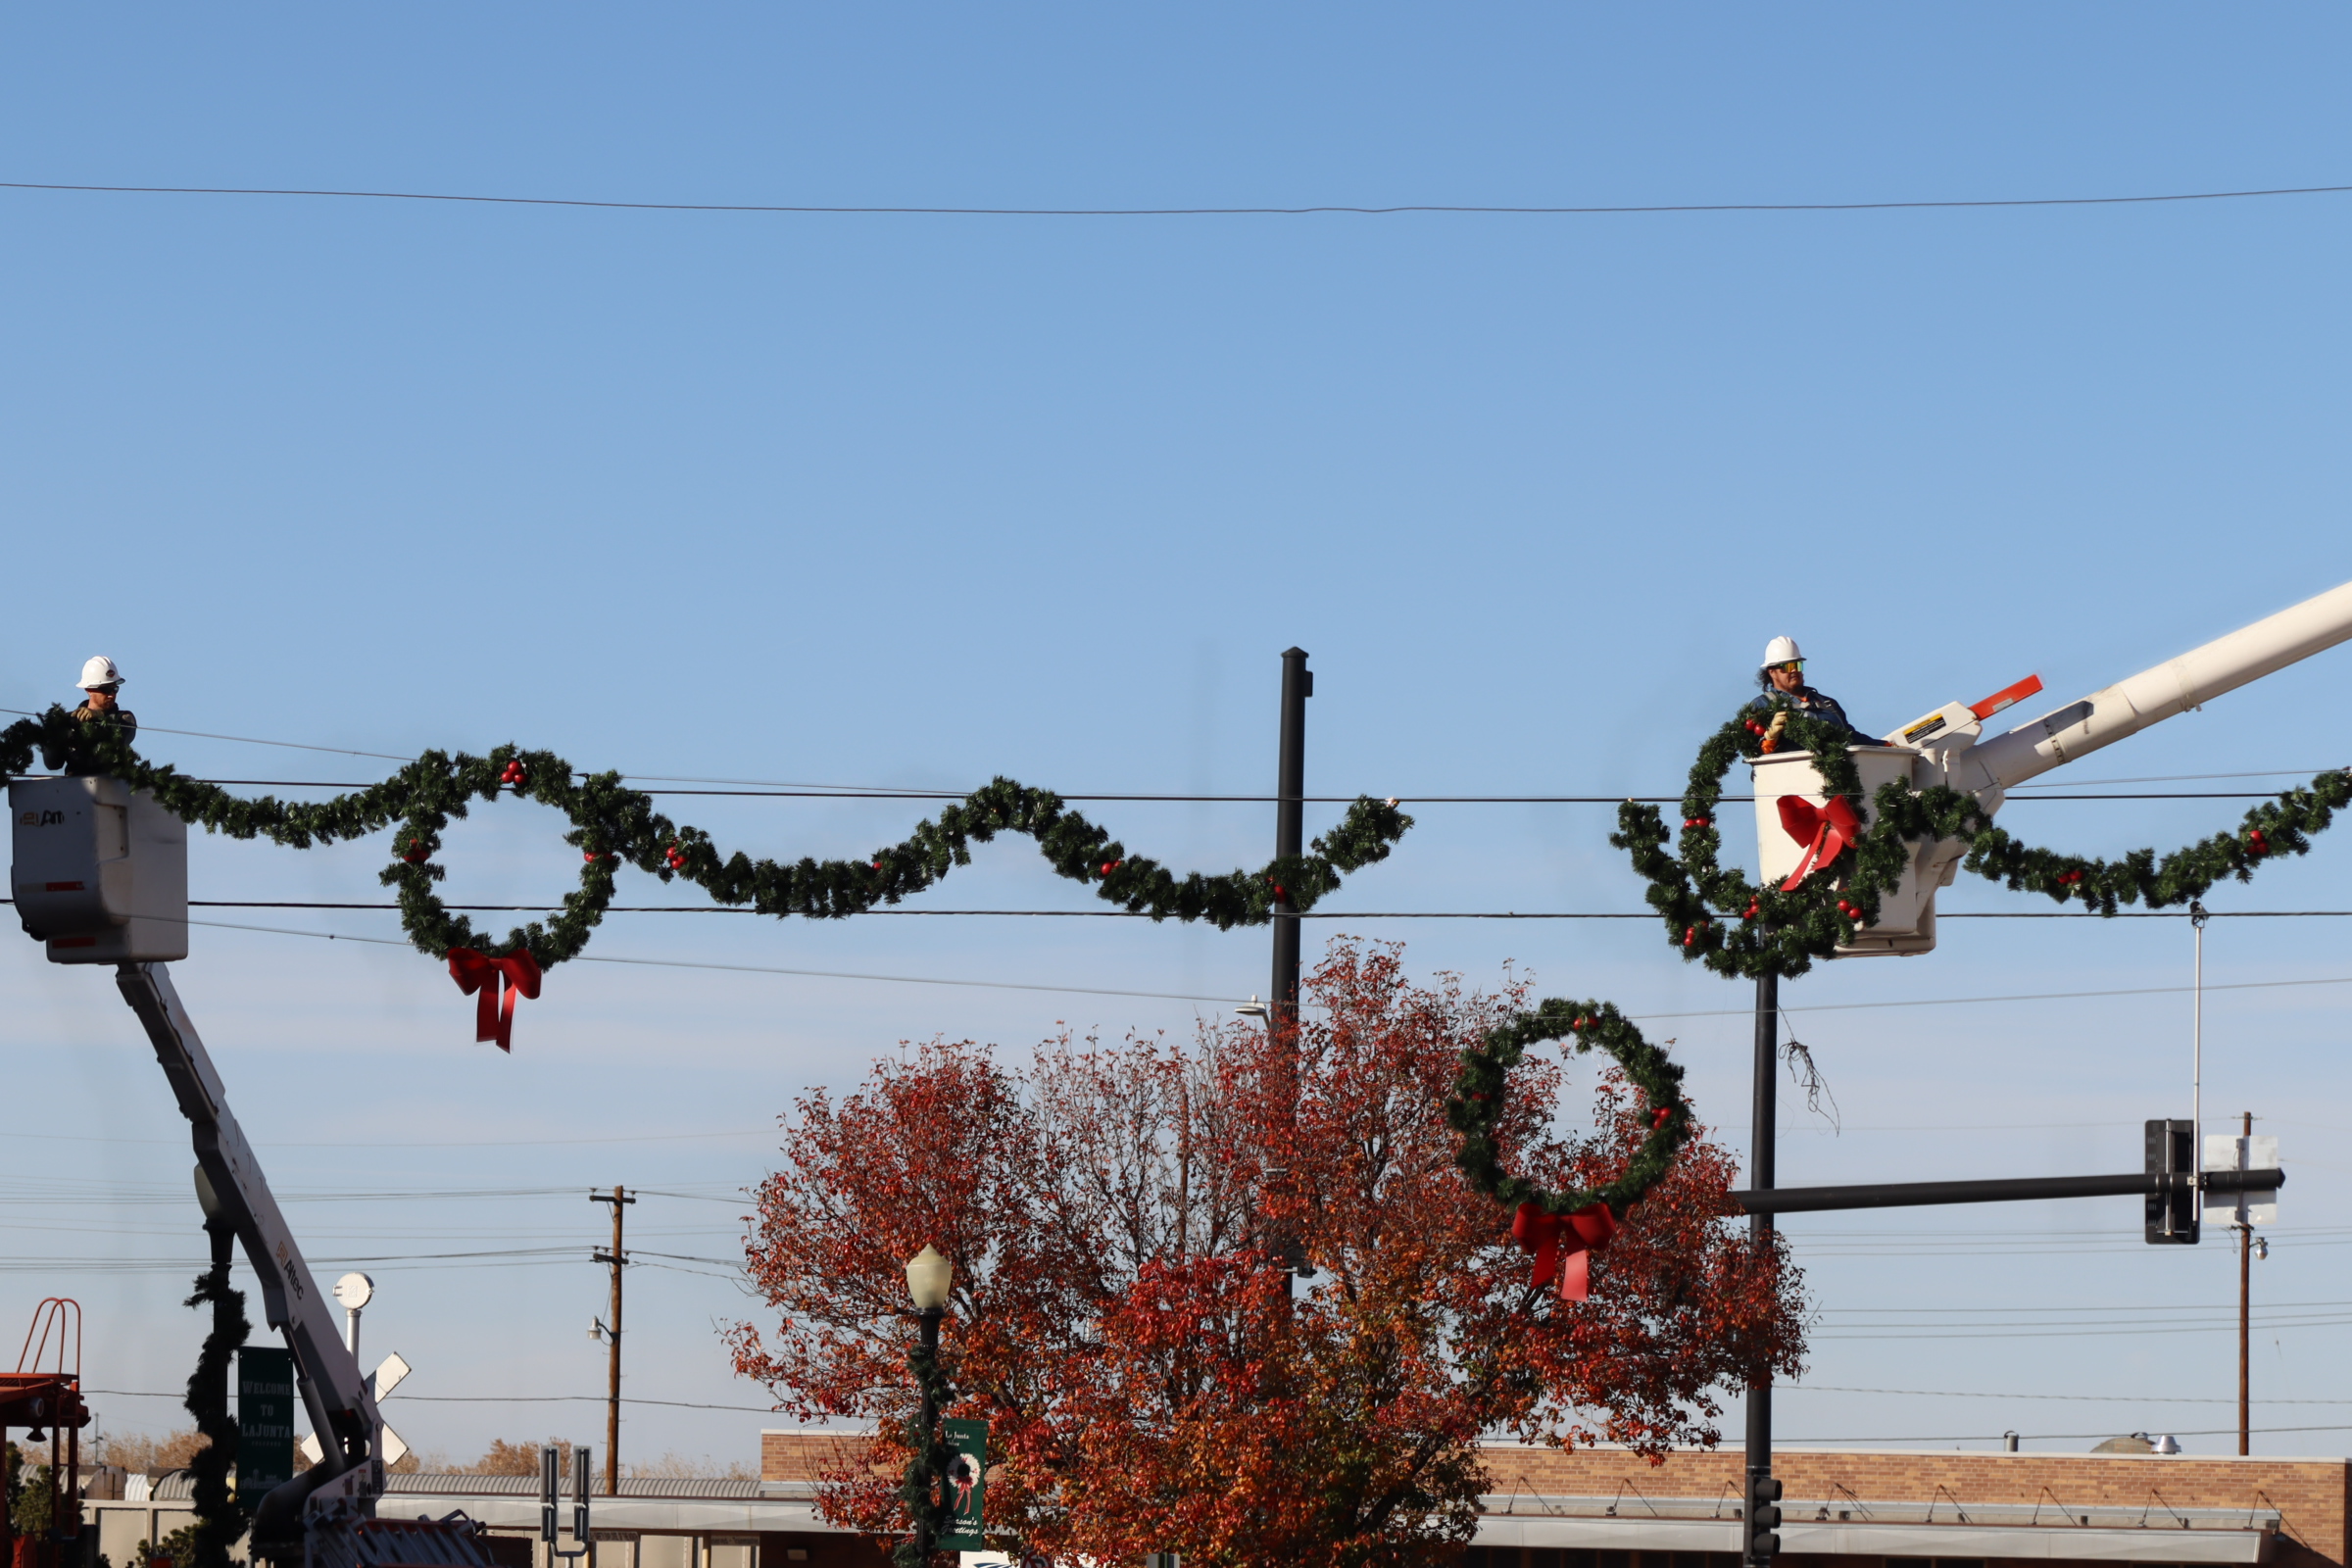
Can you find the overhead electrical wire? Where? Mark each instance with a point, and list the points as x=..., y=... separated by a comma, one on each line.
x=822, y=791
x=2064, y=1398
x=1435, y=208
x=1190, y=996
x=2052, y=1437
x=765, y=788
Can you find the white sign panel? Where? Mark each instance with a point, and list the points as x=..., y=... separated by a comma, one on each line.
x=2225, y=1153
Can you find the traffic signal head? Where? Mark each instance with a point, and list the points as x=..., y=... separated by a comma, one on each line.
x=2173, y=1207
x=1763, y=1518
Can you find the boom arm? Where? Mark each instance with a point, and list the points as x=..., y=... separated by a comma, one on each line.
x=341, y=1407
x=2154, y=694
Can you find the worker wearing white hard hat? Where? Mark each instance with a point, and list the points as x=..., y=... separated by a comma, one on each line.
x=1782, y=676
x=101, y=685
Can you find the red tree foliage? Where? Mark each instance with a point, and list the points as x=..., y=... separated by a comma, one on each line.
x=1116, y=1214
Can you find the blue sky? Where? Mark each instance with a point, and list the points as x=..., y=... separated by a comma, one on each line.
x=917, y=500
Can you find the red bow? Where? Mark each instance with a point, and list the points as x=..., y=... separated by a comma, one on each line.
x=497, y=980
x=1565, y=1245
x=1825, y=830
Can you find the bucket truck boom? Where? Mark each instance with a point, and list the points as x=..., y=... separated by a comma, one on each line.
x=337, y=1397
x=1942, y=747
x=99, y=874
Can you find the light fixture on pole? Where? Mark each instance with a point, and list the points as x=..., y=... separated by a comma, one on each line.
x=1252, y=1008
x=929, y=1277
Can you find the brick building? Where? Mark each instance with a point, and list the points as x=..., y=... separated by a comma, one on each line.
x=1593, y=1508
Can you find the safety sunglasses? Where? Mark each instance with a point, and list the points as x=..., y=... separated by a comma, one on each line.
x=1795, y=666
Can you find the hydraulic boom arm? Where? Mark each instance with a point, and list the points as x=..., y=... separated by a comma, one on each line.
x=340, y=1404
x=2173, y=687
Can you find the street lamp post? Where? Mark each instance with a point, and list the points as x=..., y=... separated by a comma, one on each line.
x=928, y=1276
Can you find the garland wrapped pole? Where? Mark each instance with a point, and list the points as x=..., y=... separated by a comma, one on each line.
x=220, y=1515
x=613, y=826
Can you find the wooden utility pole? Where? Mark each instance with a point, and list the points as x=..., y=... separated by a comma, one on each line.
x=618, y=1198
x=2246, y=1302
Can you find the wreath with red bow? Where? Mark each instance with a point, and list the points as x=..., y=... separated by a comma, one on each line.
x=1738, y=928
x=1563, y=1228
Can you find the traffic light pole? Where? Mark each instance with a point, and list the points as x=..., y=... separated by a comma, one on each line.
x=1290, y=814
x=1759, y=1543
x=2180, y=1187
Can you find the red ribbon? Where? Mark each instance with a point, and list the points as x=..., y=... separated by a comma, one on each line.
x=1565, y=1245
x=497, y=980
x=1825, y=830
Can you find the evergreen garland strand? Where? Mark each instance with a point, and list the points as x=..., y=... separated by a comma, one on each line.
x=929, y=1456
x=1772, y=932
x=613, y=826
x=1482, y=1089
x=220, y=1516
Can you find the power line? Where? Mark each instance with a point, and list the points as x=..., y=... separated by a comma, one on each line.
x=830, y=793
x=2058, y=1437
x=2076, y=1398
x=1131, y=914
x=1186, y=996
x=478, y=1399
x=1189, y=212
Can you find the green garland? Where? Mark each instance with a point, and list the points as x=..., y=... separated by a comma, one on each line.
x=929, y=1458
x=1482, y=1089
x=614, y=826
x=220, y=1515
x=1736, y=927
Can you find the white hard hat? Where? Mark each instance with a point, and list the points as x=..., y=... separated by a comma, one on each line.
x=1780, y=650
x=99, y=671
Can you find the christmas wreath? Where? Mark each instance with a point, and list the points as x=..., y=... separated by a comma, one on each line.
x=1736, y=927
x=1562, y=1229
x=615, y=826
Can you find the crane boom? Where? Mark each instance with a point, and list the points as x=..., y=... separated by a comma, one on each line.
x=2154, y=695
x=337, y=1397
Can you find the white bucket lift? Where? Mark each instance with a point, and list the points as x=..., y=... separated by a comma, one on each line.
x=100, y=873
x=1941, y=748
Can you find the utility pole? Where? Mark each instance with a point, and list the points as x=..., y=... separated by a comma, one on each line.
x=1282, y=1011
x=618, y=1198
x=1760, y=1516
x=2245, y=1308
x=1290, y=807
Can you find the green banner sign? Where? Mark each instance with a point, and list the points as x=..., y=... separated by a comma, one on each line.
x=966, y=1478
x=264, y=1421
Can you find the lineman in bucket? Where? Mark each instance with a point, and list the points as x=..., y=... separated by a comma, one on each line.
x=1783, y=675
x=101, y=683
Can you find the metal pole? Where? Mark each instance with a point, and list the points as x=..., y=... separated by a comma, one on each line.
x=619, y=1197
x=2245, y=1304
x=1290, y=790
x=2196, y=1037
x=1760, y=1175
x=922, y=1518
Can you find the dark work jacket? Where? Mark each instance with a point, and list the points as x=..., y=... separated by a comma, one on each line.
x=121, y=718
x=1817, y=704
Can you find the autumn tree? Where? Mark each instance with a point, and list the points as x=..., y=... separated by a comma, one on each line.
x=1117, y=1215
